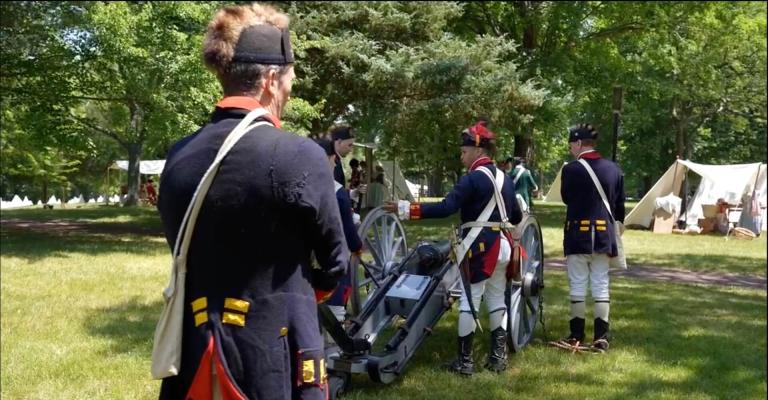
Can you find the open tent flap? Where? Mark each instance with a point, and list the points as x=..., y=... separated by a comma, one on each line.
x=729, y=182
x=146, y=167
x=393, y=174
x=669, y=183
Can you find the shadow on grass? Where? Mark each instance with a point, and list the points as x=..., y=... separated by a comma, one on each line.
x=129, y=326
x=669, y=341
x=35, y=246
x=703, y=262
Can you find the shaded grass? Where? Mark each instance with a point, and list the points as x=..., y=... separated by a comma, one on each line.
x=79, y=309
x=693, y=252
x=712, y=349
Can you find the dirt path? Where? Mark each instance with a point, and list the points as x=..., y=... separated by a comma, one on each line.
x=661, y=274
x=673, y=275
x=65, y=226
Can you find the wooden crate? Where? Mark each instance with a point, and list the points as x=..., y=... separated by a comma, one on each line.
x=663, y=222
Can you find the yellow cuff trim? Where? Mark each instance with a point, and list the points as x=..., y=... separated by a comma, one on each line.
x=308, y=371
x=199, y=304
x=201, y=318
x=585, y=222
x=233, y=319
x=584, y=228
x=601, y=228
x=236, y=304
x=600, y=222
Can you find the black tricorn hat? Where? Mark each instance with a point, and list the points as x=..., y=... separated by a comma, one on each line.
x=582, y=131
x=342, y=132
x=264, y=44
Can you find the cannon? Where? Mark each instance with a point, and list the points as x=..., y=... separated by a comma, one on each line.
x=399, y=295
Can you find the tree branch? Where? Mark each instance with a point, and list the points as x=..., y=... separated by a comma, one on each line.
x=99, y=129
x=615, y=30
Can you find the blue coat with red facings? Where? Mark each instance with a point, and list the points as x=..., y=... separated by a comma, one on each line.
x=354, y=244
x=470, y=195
x=250, y=259
x=585, y=204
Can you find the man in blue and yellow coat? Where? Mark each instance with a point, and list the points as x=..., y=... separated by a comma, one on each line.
x=250, y=318
x=489, y=254
x=589, y=238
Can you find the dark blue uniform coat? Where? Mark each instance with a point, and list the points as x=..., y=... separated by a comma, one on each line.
x=586, y=214
x=250, y=259
x=470, y=195
x=354, y=244
x=338, y=172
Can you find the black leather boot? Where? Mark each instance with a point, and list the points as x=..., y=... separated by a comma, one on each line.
x=601, y=334
x=577, y=330
x=463, y=364
x=497, y=359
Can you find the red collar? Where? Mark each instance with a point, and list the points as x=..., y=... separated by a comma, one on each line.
x=589, y=155
x=480, y=161
x=246, y=103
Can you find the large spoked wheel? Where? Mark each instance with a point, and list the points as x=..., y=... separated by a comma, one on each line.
x=523, y=297
x=384, y=247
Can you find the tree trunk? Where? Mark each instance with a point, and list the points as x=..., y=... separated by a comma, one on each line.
x=45, y=192
x=436, y=182
x=524, y=143
x=134, y=157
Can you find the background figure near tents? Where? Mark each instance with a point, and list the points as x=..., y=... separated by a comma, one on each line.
x=589, y=233
x=525, y=186
x=151, y=192
x=377, y=191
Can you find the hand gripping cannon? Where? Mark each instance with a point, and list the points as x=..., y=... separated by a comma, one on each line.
x=398, y=296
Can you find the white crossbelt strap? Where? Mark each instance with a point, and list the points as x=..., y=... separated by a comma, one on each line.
x=518, y=175
x=477, y=226
x=598, y=186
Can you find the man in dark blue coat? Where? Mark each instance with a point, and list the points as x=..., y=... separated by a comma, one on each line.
x=343, y=137
x=338, y=300
x=250, y=316
x=489, y=253
x=588, y=237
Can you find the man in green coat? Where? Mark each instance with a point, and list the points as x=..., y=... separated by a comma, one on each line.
x=524, y=183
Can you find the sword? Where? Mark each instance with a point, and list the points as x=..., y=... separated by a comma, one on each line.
x=464, y=273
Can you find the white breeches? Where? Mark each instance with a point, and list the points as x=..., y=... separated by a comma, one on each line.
x=493, y=288
x=584, y=269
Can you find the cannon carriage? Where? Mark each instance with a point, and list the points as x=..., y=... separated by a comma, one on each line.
x=400, y=294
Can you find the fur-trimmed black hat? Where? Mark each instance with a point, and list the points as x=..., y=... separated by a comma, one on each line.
x=582, y=131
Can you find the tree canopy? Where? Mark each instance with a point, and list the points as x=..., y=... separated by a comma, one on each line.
x=83, y=83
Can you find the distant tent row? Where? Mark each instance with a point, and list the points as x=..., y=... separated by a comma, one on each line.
x=17, y=202
x=734, y=183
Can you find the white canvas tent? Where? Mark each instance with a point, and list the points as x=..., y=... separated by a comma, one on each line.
x=392, y=174
x=729, y=182
x=146, y=167
x=553, y=195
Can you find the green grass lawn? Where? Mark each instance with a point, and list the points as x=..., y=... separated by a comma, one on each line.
x=79, y=308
